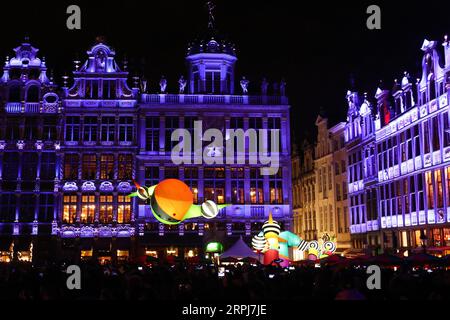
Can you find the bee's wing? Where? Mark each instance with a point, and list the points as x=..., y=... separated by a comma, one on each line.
x=194, y=211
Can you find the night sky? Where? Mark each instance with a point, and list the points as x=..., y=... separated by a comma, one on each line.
x=316, y=47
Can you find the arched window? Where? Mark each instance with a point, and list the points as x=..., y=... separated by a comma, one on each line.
x=14, y=93
x=32, y=94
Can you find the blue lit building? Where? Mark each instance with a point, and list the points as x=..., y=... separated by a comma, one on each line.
x=68, y=156
x=398, y=161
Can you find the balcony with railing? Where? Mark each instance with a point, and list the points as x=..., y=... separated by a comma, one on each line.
x=28, y=107
x=208, y=99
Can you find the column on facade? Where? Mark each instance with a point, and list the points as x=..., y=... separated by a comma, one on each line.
x=38, y=171
x=228, y=194
x=142, y=132
x=200, y=184
x=284, y=136
x=79, y=203
x=247, y=184
x=116, y=128
x=97, y=207
x=115, y=206
x=116, y=166
x=98, y=164
x=80, y=140
x=162, y=134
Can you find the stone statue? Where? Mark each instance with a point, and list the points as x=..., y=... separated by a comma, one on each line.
x=276, y=88
x=283, y=87
x=163, y=84
x=144, y=85
x=211, y=20
x=182, y=83
x=244, y=85
x=264, y=86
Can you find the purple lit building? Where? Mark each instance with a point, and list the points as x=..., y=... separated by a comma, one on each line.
x=398, y=161
x=29, y=131
x=68, y=156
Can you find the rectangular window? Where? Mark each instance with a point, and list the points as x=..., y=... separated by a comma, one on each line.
x=72, y=129
x=191, y=179
x=48, y=167
x=106, y=209
x=446, y=129
x=439, y=189
x=430, y=189
x=420, y=192
x=90, y=129
x=108, y=129
x=49, y=129
x=151, y=176
x=107, y=167
x=330, y=181
x=172, y=124
x=426, y=137
x=152, y=134
x=71, y=165
x=126, y=129
x=435, y=136
x=344, y=190
x=31, y=126
x=171, y=173
x=214, y=184
x=46, y=207
x=29, y=169
x=88, y=209
x=256, y=186
x=276, y=188
x=125, y=167
x=237, y=185
x=89, y=167
x=124, y=209
x=69, y=209
x=27, y=203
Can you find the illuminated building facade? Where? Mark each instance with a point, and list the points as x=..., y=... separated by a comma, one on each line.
x=330, y=203
x=322, y=183
x=398, y=152
x=305, y=211
x=68, y=157
x=211, y=98
x=29, y=130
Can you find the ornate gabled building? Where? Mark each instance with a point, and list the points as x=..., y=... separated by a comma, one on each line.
x=68, y=158
x=331, y=192
x=29, y=140
x=212, y=99
x=398, y=149
x=98, y=155
x=322, y=211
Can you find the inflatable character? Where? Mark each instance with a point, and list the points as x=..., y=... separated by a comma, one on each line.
x=171, y=202
x=274, y=243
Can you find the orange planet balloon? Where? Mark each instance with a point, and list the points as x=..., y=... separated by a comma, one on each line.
x=172, y=199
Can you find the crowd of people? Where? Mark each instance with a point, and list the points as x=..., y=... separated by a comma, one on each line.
x=206, y=282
